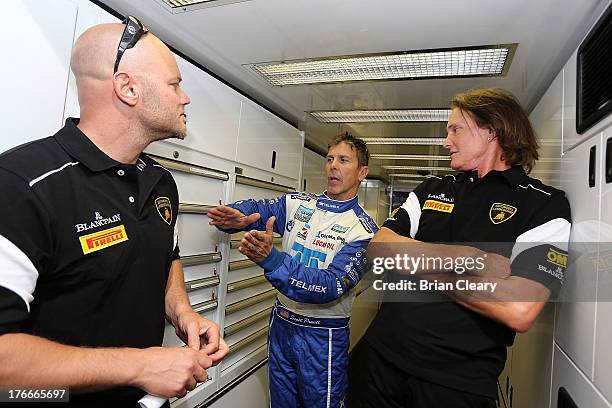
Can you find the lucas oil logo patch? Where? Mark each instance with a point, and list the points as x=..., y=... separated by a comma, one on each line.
x=103, y=239
x=164, y=209
x=438, y=206
x=500, y=212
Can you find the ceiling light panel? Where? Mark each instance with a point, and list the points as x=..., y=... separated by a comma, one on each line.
x=407, y=157
x=182, y=3
x=182, y=6
x=416, y=177
x=403, y=140
x=429, y=168
x=391, y=115
x=488, y=60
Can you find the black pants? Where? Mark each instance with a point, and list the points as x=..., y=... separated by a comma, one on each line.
x=375, y=384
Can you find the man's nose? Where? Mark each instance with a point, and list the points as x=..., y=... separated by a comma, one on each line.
x=446, y=143
x=185, y=99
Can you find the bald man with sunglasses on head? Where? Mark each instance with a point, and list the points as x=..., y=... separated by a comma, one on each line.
x=89, y=257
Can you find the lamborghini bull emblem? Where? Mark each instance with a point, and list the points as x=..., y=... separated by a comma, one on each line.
x=164, y=209
x=501, y=212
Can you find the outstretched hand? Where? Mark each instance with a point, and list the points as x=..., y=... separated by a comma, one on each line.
x=257, y=245
x=229, y=218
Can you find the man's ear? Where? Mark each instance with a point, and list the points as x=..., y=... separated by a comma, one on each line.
x=491, y=134
x=125, y=88
x=363, y=173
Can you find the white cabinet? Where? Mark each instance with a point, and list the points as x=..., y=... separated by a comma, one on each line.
x=575, y=320
x=313, y=174
x=36, y=42
x=574, y=383
x=603, y=334
x=268, y=143
x=570, y=136
x=252, y=392
x=547, y=124
x=213, y=115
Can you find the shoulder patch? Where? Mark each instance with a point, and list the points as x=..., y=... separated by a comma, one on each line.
x=368, y=223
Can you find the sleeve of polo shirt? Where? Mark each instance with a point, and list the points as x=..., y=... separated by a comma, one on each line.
x=25, y=247
x=540, y=253
x=404, y=220
x=176, y=253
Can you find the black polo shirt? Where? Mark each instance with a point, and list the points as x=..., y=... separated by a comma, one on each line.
x=443, y=342
x=86, y=244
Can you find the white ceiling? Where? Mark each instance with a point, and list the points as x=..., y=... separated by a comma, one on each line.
x=226, y=37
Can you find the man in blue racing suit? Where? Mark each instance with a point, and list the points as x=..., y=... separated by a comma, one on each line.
x=324, y=241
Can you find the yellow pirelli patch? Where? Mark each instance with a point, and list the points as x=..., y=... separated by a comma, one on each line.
x=103, y=239
x=438, y=206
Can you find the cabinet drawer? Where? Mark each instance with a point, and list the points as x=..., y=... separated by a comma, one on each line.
x=247, y=188
x=257, y=288
x=195, y=235
x=248, y=307
x=245, y=348
x=194, y=272
x=206, y=309
x=206, y=293
x=196, y=185
x=239, y=270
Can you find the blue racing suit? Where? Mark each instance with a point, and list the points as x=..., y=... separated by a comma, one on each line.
x=322, y=261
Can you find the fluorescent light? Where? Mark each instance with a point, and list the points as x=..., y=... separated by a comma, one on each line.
x=549, y=142
x=545, y=160
x=182, y=3
x=487, y=60
x=393, y=115
x=181, y=6
x=407, y=157
x=403, y=140
x=543, y=171
x=428, y=168
x=417, y=177
x=432, y=141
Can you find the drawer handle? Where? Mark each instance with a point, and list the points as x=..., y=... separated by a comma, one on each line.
x=201, y=259
x=250, y=301
x=186, y=208
x=609, y=160
x=188, y=168
x=243, y=264
x=248, y=340
x=592, y=162
x=192, y=285
x=204, y=306
x=263, y=184
x=233, y=328
x=246, y=283
x=235, y=243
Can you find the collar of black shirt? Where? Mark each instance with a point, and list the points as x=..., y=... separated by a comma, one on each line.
x=515, y=175
x=81, y=148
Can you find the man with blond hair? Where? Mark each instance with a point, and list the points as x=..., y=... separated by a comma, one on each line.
x=447, y=348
